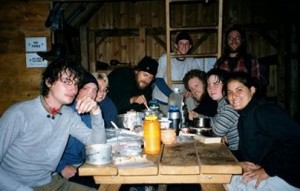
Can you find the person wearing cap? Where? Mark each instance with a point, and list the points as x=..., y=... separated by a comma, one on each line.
x=131, y=88
x=179, y=67
x=74, y=153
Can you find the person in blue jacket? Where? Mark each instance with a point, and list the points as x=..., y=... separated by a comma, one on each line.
x=74, y=154
x=108, y=108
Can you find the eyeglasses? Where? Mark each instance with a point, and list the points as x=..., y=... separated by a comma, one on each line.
x=236, y=38
x=68, y=81
x=103, y=90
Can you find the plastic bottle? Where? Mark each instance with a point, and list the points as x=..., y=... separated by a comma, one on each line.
x=151, y=135
x=175, y=117
x=184, y=114
x=175, y=98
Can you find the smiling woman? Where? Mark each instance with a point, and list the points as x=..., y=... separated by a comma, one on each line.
x=271, y=161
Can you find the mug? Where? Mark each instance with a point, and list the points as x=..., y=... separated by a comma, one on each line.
x=168, y=136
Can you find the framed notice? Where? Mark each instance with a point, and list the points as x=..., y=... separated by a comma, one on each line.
x=33, y=60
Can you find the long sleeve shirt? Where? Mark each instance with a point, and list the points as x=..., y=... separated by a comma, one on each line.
x=270, y=138
x=109, y=111
x=224, y=123
x=31, y=144
x=179, y=68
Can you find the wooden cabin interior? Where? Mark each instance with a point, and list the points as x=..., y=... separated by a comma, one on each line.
x=103, y=35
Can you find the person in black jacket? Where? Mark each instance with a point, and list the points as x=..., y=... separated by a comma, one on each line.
x=131, y=88
x=269, y=142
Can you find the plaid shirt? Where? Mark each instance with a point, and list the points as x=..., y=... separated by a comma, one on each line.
x=240, y=66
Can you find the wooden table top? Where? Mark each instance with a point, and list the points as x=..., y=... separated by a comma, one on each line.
x=184, y=163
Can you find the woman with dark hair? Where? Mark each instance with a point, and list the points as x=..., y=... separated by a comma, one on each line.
x=269, y=140
x=224, y=123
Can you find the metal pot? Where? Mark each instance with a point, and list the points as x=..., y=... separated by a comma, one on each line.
x=130, y=120
x=98, y=154
x=202, y=122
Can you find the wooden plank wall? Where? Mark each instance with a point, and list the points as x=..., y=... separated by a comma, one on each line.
x=17, y=21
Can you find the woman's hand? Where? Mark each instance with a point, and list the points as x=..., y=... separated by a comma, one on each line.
x=258, y=174
x=248, y=166
x=193, y=115
x=252, y=171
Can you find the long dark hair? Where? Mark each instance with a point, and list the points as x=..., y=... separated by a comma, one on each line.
x=243, y=48
x=54, y=71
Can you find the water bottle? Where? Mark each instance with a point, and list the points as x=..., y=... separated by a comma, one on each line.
x=184, y=114
x=175, y=117
x=151, y=135
x=175, y=98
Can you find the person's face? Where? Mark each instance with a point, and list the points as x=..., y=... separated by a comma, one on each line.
x=102, y=90
x=238, y=94
x=89, y=89
x=64, y=90
x=143, y=79
x=196, y=87
x=215, y=87
x=234, y=41
x=183, y=46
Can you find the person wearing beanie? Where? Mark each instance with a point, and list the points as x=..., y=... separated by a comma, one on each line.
x=179, y=67
x=131, y=88
x=74, y=153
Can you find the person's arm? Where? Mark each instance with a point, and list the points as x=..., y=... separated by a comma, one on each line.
x=86, y=135
x=224, y=121
x=10, y=124
x=109, y=111
x=163, y=87
x=285, y=133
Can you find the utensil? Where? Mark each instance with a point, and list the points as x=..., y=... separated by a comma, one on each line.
x=115, y=125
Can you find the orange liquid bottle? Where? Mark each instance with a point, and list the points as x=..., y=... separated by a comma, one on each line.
x=151, y=135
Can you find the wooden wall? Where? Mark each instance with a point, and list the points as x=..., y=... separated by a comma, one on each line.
x=266, y=31
x=17, y=21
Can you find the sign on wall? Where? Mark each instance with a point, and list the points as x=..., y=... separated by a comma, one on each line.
x=32, y=46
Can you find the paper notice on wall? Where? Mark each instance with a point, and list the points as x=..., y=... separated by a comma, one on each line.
x=33, y=60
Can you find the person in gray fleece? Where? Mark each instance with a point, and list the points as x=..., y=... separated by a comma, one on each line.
x=34, y=133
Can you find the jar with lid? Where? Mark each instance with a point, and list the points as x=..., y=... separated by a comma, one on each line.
x=151, y=135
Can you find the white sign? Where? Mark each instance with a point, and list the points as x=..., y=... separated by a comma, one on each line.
x=35, y=61
x=35, y=44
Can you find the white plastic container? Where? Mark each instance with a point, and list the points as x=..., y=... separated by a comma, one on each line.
x=98, y=154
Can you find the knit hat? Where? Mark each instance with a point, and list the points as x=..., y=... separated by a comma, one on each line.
x=148, y=64
x=183, y=35
x=88, y=78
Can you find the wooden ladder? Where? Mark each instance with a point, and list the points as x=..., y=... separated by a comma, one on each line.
x=170, y=29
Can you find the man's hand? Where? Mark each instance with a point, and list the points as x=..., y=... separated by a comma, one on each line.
x=140, y=99
x=69, y=171
x=87, y=105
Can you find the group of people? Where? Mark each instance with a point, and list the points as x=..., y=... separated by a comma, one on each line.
x=42, y=141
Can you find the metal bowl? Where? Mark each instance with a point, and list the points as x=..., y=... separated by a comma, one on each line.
x=201, y=122
x=130, y=120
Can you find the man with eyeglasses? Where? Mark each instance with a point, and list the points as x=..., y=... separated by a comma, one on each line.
x=34, y=133
x=235, y=57
x=74, y=154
